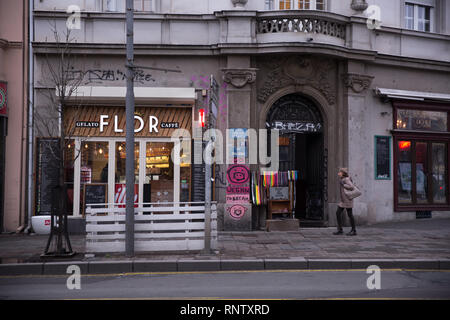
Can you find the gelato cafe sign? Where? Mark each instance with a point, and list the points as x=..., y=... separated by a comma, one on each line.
x=105, y=121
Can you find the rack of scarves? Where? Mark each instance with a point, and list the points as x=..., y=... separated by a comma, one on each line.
x=260, y=181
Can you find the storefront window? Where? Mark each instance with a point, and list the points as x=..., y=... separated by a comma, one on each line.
x=159, y=172
x=439, y=168
x=430, y=176
x=404, y=172
x=94, y=166
x=421, y=120
x=421, y=156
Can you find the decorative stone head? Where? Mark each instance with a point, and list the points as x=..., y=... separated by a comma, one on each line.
x=359, y=5
x=239, y=3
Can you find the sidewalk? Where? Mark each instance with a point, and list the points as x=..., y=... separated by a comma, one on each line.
x=424, y=243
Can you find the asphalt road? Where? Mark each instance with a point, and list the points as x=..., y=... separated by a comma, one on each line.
x=295, y=284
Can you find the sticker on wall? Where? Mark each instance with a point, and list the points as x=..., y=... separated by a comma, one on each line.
x=238, y=174
x=238, y=190
x=238, y=198
x=237, y=211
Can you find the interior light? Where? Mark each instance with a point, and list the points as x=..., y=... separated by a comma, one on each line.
x=403, y=145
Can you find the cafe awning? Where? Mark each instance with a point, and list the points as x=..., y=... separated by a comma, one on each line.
x=141, y=94
x=411, y=95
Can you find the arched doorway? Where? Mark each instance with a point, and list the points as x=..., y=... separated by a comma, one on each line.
x=301, y=148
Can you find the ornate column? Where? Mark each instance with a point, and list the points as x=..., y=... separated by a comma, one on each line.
x=237, y=210
x=359, y=122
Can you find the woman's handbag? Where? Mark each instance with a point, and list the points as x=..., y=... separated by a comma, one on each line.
x=352, y=194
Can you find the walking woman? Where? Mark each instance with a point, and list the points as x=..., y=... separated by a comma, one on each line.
x=346, y=203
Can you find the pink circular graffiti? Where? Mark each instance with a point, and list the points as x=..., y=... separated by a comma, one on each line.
x=237, y=211
x=237, y=174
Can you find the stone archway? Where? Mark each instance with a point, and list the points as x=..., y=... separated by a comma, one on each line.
x=333, y=130
x=301, y=147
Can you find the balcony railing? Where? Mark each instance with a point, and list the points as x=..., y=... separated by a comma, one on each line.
x=306, y=22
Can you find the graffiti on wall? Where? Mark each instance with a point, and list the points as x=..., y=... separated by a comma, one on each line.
x=237, y=211
x=108, y=75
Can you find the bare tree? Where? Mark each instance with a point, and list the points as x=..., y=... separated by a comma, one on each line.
x=59, y=84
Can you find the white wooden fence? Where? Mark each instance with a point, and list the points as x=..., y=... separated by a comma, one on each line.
x=158, y=227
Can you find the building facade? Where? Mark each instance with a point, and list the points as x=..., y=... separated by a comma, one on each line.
x=13, y=114
x=357, y=84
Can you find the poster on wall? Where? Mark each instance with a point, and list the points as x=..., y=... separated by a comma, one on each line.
x=120, y=193
x=382, y=157
x=3, y=99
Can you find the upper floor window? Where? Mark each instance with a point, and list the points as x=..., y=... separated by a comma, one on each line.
x=111, y=5
x=143, y=5
x=418, y=17
x=295, y=4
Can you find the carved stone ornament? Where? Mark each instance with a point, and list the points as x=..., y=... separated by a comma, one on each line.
x=299, y=70
x=239, y=3
x=357, y=82
x=359, y=5
x=239, y=77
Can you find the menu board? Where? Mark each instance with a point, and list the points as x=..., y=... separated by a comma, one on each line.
x=198, y=180
x=382, y=157
x=279, y=193
x=95, y=193
x=47, y=173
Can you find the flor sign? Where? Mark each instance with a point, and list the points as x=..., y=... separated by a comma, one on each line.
x=152, y=121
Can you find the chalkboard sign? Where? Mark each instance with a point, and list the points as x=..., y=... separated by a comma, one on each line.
x=47, y=173
x=279, y=193
x=382, y=157
x=198, y=182
x=95, y=193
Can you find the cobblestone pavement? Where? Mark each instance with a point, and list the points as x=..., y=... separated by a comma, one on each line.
x=418, y=239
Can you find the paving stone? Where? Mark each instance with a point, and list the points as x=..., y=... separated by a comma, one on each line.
x=255, y=264
x=100, y=267
x=417, y=264
x=382, y=263
x=329, y=264
x=155, y=266
x=444, y=264
x=198, y=265
x=21, y=269
x=285, y=264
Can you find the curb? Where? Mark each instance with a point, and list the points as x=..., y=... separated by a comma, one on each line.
x=192, y=265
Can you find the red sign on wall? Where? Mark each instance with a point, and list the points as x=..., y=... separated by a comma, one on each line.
x=120, y=193
x=3, y=100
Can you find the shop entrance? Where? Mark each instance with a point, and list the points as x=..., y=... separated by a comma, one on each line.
x=301, y=148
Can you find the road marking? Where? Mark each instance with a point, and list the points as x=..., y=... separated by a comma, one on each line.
x=219, y=272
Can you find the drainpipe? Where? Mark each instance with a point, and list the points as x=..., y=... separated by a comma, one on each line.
x=30, y=116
